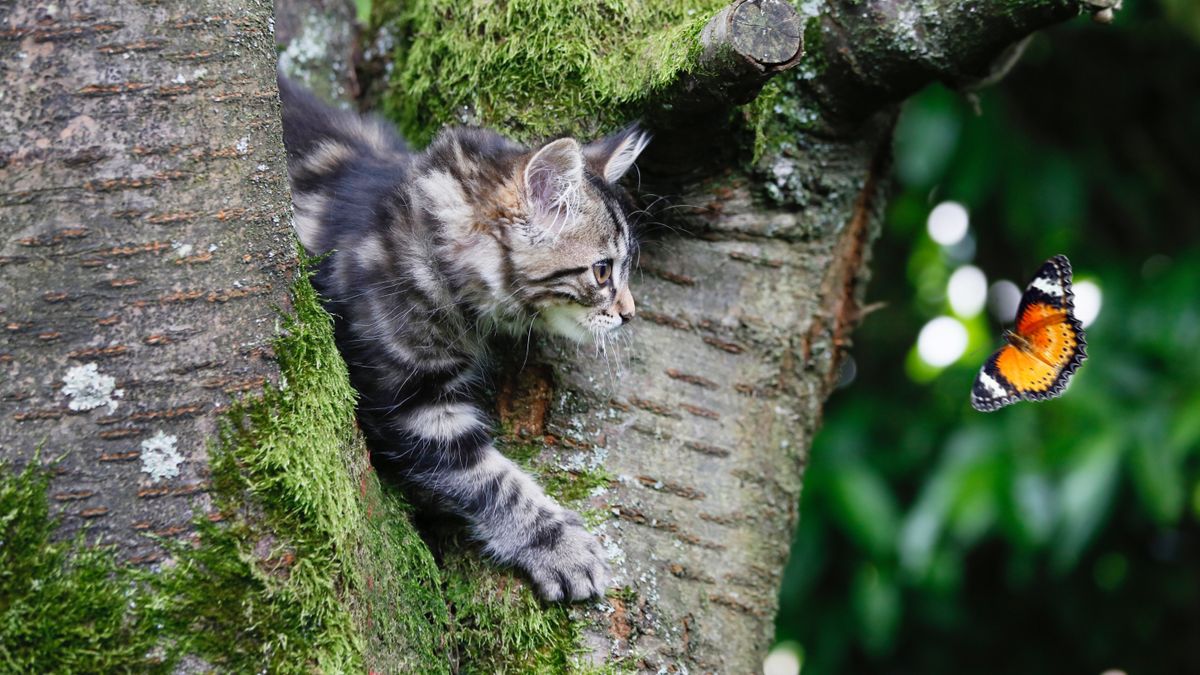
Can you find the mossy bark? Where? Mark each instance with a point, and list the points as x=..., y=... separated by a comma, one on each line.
x=145, y=223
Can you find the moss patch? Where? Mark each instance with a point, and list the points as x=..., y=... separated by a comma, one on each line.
x=498, y=625
x=63, y=607
x=565, y=485
x=319, y=557
x=535, y=67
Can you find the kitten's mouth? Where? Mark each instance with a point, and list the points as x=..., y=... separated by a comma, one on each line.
x=576, y=323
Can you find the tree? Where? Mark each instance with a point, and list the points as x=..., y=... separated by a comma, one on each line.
x=152, y=341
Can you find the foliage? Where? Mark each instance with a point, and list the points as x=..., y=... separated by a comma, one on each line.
x=1043, y=538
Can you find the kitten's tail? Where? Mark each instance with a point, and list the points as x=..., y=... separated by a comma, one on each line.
x=329, y=152
x=318, y=136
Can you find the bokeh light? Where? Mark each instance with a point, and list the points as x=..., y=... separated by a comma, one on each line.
x=1003, y=298
x=967, y=291
x=948, y=223
x=1087, y=302
x=784, y=659
x=942, y=341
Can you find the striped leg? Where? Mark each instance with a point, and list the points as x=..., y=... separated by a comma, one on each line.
x=448, y=452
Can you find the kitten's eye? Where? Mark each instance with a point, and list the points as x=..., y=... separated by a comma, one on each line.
x=603, y=271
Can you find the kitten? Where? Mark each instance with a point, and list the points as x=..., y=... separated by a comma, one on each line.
x=430, y=252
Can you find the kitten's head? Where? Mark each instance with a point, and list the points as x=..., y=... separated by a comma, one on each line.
x=573, y=253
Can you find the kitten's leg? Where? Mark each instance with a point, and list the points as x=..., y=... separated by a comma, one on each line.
x=448, y=452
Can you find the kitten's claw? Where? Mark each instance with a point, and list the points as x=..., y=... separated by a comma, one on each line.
x=570, y=568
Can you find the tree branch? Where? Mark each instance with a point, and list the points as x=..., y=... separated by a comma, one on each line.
x=876, y=52
x=741, y=48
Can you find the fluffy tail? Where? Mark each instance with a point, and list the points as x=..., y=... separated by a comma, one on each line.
x=312, y=127
x=335, y=158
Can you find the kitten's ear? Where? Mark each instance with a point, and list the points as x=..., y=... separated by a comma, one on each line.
x=612, y=156
x=553, y=175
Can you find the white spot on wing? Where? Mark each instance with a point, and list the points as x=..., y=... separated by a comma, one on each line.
x=160, y=458
x=1047, y=286
x=992, y=386
x=88, y=388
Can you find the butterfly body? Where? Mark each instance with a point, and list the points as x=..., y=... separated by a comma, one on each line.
x=1045, y=346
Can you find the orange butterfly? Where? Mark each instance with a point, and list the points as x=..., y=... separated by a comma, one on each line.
x=1043, y=350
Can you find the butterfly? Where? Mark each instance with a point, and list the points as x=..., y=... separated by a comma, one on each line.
x=1044, y=347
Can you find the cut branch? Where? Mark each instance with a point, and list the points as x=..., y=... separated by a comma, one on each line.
x=741, y=48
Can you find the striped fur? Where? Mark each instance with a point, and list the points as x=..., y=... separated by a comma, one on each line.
x=426, y=254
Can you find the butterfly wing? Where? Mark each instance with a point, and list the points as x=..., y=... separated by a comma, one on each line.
x=992, y=390
x=1050, y=287
x=1055, y=347
x=1048, y=344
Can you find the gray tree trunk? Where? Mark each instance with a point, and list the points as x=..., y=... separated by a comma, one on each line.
x=144, y=244
x=144, y=230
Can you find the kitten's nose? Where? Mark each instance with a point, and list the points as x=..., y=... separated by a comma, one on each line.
x=624, y=306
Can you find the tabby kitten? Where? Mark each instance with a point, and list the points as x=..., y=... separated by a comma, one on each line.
x=430, y=252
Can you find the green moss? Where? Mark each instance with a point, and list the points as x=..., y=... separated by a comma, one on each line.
x=499, y=627
x=574, y=486
x=565, y=485
x=781, y=111
x=535, y=67
x=316, y=567
x=63, y=607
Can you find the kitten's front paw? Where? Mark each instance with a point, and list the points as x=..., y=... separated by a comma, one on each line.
x=565, y=562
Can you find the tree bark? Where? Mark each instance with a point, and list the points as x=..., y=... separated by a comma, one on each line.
x=745, y=310
x=145, y=232
x=743, y=317
x=144, y=218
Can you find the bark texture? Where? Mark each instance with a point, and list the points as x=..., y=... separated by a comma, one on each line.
x=144, y=223
x=742, y=321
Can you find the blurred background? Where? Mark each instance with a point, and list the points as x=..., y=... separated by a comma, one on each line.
x=1056, y=537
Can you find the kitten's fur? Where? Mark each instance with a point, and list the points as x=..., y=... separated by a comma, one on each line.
x=427, y=254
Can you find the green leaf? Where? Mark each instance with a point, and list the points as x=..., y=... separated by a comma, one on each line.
x=877, y=604
x=362, y=11
x=975, y=505
x=864, y=507
x=1085, y=496
x=927, y=136
x=1033, y=507
x=938, y=499
x=1157, y=474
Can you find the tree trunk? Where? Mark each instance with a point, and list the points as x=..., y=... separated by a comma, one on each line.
x=146, y=251
x=145, y=247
